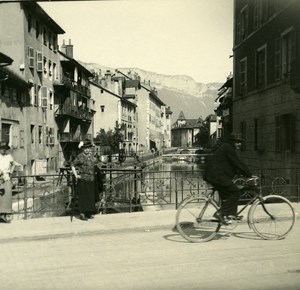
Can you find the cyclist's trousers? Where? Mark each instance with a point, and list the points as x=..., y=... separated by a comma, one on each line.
x=230, y=195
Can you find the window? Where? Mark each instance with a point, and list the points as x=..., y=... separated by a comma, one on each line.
x=44, y=98
x=50, y=136
x=32, y=134
x=244, y=23
x=54, y=43
x=243, y=76
x=278, y=59
x=54, y=71
x=261, y=66
x=288, y=51
x=45, y=66
x=40, y=134
x=37, y=29
x=45, y=36
x=50, y=99
x=285, y=131
x=50, y=40
x=5, y=132
x=50, y=69
x=259, y=144
x=262, y=11
x=29, y=23
x=10, y=134
x=255, y=8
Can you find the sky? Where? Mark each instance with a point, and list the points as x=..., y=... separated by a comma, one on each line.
x=171, y=37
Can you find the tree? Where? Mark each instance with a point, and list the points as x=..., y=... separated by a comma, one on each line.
x=110, y=139
x=202, y=136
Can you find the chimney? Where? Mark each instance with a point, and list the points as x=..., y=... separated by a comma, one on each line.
x=69, y=49
x=63, y=47
x=108, y=75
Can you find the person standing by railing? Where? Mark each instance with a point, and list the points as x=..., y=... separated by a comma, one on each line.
x=7, y=166
x=83, y=168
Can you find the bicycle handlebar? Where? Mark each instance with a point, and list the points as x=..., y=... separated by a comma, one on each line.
x=253, y=179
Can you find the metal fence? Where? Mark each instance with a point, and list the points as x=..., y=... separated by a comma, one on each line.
x=128, y=190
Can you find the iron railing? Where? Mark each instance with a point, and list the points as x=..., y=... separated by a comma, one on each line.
x=130, y=189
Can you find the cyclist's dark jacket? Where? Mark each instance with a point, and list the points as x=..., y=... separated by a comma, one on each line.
x=223, y=165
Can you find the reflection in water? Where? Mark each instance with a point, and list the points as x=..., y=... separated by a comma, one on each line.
x=176, y=166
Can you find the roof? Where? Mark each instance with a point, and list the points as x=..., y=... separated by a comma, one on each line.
x=181, y=116
x=76, y=63
x=227, y=84
x=124, y=99
x=5, y=60
x=11, y=76
x=35, y=8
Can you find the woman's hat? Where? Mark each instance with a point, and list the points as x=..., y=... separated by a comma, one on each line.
x=85, y=144
x=4, y=145
x=235, y=137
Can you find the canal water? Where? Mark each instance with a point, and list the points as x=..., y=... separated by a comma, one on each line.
x=167, y=183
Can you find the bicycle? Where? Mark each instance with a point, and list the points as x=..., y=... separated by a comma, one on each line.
x=271, y=217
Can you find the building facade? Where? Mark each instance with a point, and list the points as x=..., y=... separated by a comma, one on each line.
x=29, y=37
x=73, y=105
x=14, y=93
x=266, y=86
x=115, y=108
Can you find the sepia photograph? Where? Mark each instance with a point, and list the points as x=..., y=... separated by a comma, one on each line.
x=149, y=144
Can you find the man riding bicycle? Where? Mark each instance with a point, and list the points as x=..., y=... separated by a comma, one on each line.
x=220, y=170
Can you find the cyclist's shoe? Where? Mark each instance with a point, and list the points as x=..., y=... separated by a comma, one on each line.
x=236, y=217
x=220, y=217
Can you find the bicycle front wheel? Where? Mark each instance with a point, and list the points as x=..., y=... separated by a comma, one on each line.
x=272, y=218
x=194, y=220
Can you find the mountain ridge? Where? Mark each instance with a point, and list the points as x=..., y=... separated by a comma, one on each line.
x=180, y=92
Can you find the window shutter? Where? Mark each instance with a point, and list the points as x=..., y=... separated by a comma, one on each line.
x=22, y=139
x=31, y=57
x=39, y=61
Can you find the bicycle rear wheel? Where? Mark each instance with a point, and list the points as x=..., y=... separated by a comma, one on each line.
x=272, y=218
x=194, y=220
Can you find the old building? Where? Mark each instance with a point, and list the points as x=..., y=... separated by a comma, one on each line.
x=224, y=109
x=153, y=128
x=14, y=93
x=266, y=85
x=29, y=37
x=73, y=105
x=184, y=131
x=115, y=108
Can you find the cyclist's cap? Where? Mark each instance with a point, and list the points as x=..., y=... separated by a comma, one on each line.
x=235, y=137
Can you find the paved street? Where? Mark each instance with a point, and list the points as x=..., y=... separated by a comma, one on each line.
x=141, y=251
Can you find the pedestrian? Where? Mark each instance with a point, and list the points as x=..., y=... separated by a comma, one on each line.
x=220, y=170
x=83, y=168
x=7, y=166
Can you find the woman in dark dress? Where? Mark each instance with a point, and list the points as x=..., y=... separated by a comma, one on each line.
x=83, y=168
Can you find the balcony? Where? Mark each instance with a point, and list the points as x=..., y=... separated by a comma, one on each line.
x=72, y=111
x=72, y=85
x=73, y=137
